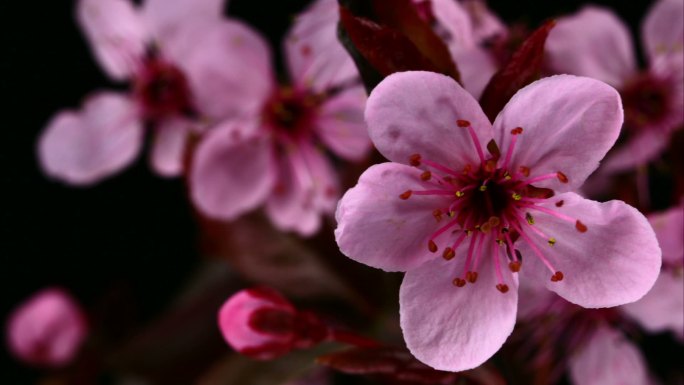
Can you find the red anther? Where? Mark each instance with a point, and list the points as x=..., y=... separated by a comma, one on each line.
x=432, y=246
x=502, y=287
x=494, y=221
x=448, y=253
x=463, y=123
x=471, y=276
x=437, y=213
x=490, y=165
x=467, y=169
x=525, y=171
x=517, y=131
x=414, y=160
x=406, y=194
x=560, y=203
x=425, y=176
x=581, y=227
x=514, y=266
x=485, y=227
x=458, y=282
x=557, y=276
x=562, y=177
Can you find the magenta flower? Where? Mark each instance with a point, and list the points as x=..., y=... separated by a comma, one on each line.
x=273, y=152
x=663, y=307
x=152, y=47
x=596, y=43
x=465, y=204
x=47, y=330
x=262, y=324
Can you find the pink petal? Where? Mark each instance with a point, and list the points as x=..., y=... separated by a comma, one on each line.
x=116, y=32
x=167, y=18
x=569, y=124
x=454, y=18
x=452, y=328
x=608, y=359
x=476, y=66
x=616, y=261
x=416, y=112
x=315, y=57
x=84, y=147
x=638, y=150
x=234, y=322
x=379, y=229
x=593, y=42
x=663, y=29
x=306, y=189
x=230, y=72
x=662, y=308
x=168, y=150
x=230, y=174
x=48, y=329
x=341, y=127
x=485, y=24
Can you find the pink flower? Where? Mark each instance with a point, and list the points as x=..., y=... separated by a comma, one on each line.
x=595, y=43
x=556, y=336
x=490, y=199
x=272, y=153
x=262, y=324
x=663, y=307
x=152, y=47
x=47, y=330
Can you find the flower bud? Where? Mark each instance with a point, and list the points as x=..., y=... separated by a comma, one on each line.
x=47, y=329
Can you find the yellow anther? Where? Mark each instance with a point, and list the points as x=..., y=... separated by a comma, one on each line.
x=483, y=187
x=529, y=218
x=516, y=196
x=459, y=194
x=552, y=241
x=507, y=176
x=452, y=214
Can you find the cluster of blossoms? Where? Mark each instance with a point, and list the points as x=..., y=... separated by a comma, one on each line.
x=484, y=216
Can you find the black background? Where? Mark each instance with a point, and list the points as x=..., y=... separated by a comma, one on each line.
x=132, y=237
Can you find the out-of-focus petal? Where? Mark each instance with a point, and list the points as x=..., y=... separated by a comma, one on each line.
x=641, y=149
x=378, y=228
x=341, y=127
x=416, y=112
x=231, y=174
x=455, y=328
x=594, y=42
x=47, y=330
x=662, y=308
x=168, y=149
x=84, y=147
x=476, y=66
x=315, y=57
x=166, y=19
x=569, y=125
x=608, y=359
x=117, y=34
x=230, y=72
x=663, y=29
x=615, y=260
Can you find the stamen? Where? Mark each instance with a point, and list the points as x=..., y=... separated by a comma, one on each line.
x=502, y=287
x=514, y=266
x=529, y=218
x=552, y=241
x=458, y=282
x=496, y=252
x=462, y=123
x=471, y=276
x=515, y=132
x=431, y=192
x=437, y=213
x=473, y=135
x=525, y=171
x=557, y=277
x=405, y=195
x=448, y=254
x=459, y=194
x=560, y=203
x=550, y=212
x=432, y=246
x=439, y=167
x=581, y=227
x=414, y=160
x=516, y=196
x=535, y=249
x=538, y=179
x=469, y=257
x=562, y=177
x=425, y=176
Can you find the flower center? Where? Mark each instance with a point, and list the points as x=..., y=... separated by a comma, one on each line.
x=492, y=207
x=291, y=112
x=646, y=101
x=161, y=89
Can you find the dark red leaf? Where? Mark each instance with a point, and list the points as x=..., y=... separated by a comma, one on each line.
x=523, y=68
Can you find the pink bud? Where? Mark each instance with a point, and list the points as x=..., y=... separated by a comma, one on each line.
x=47, y=329
x=262, y=324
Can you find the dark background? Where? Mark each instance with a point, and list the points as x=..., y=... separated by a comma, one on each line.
x=131, y=239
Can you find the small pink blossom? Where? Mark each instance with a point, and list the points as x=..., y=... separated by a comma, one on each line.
x=262, y=324
x=596, y=43
x=465, y=204
x=47, y=330
x=272, y=153
x=151, y=46
x=663, y=307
